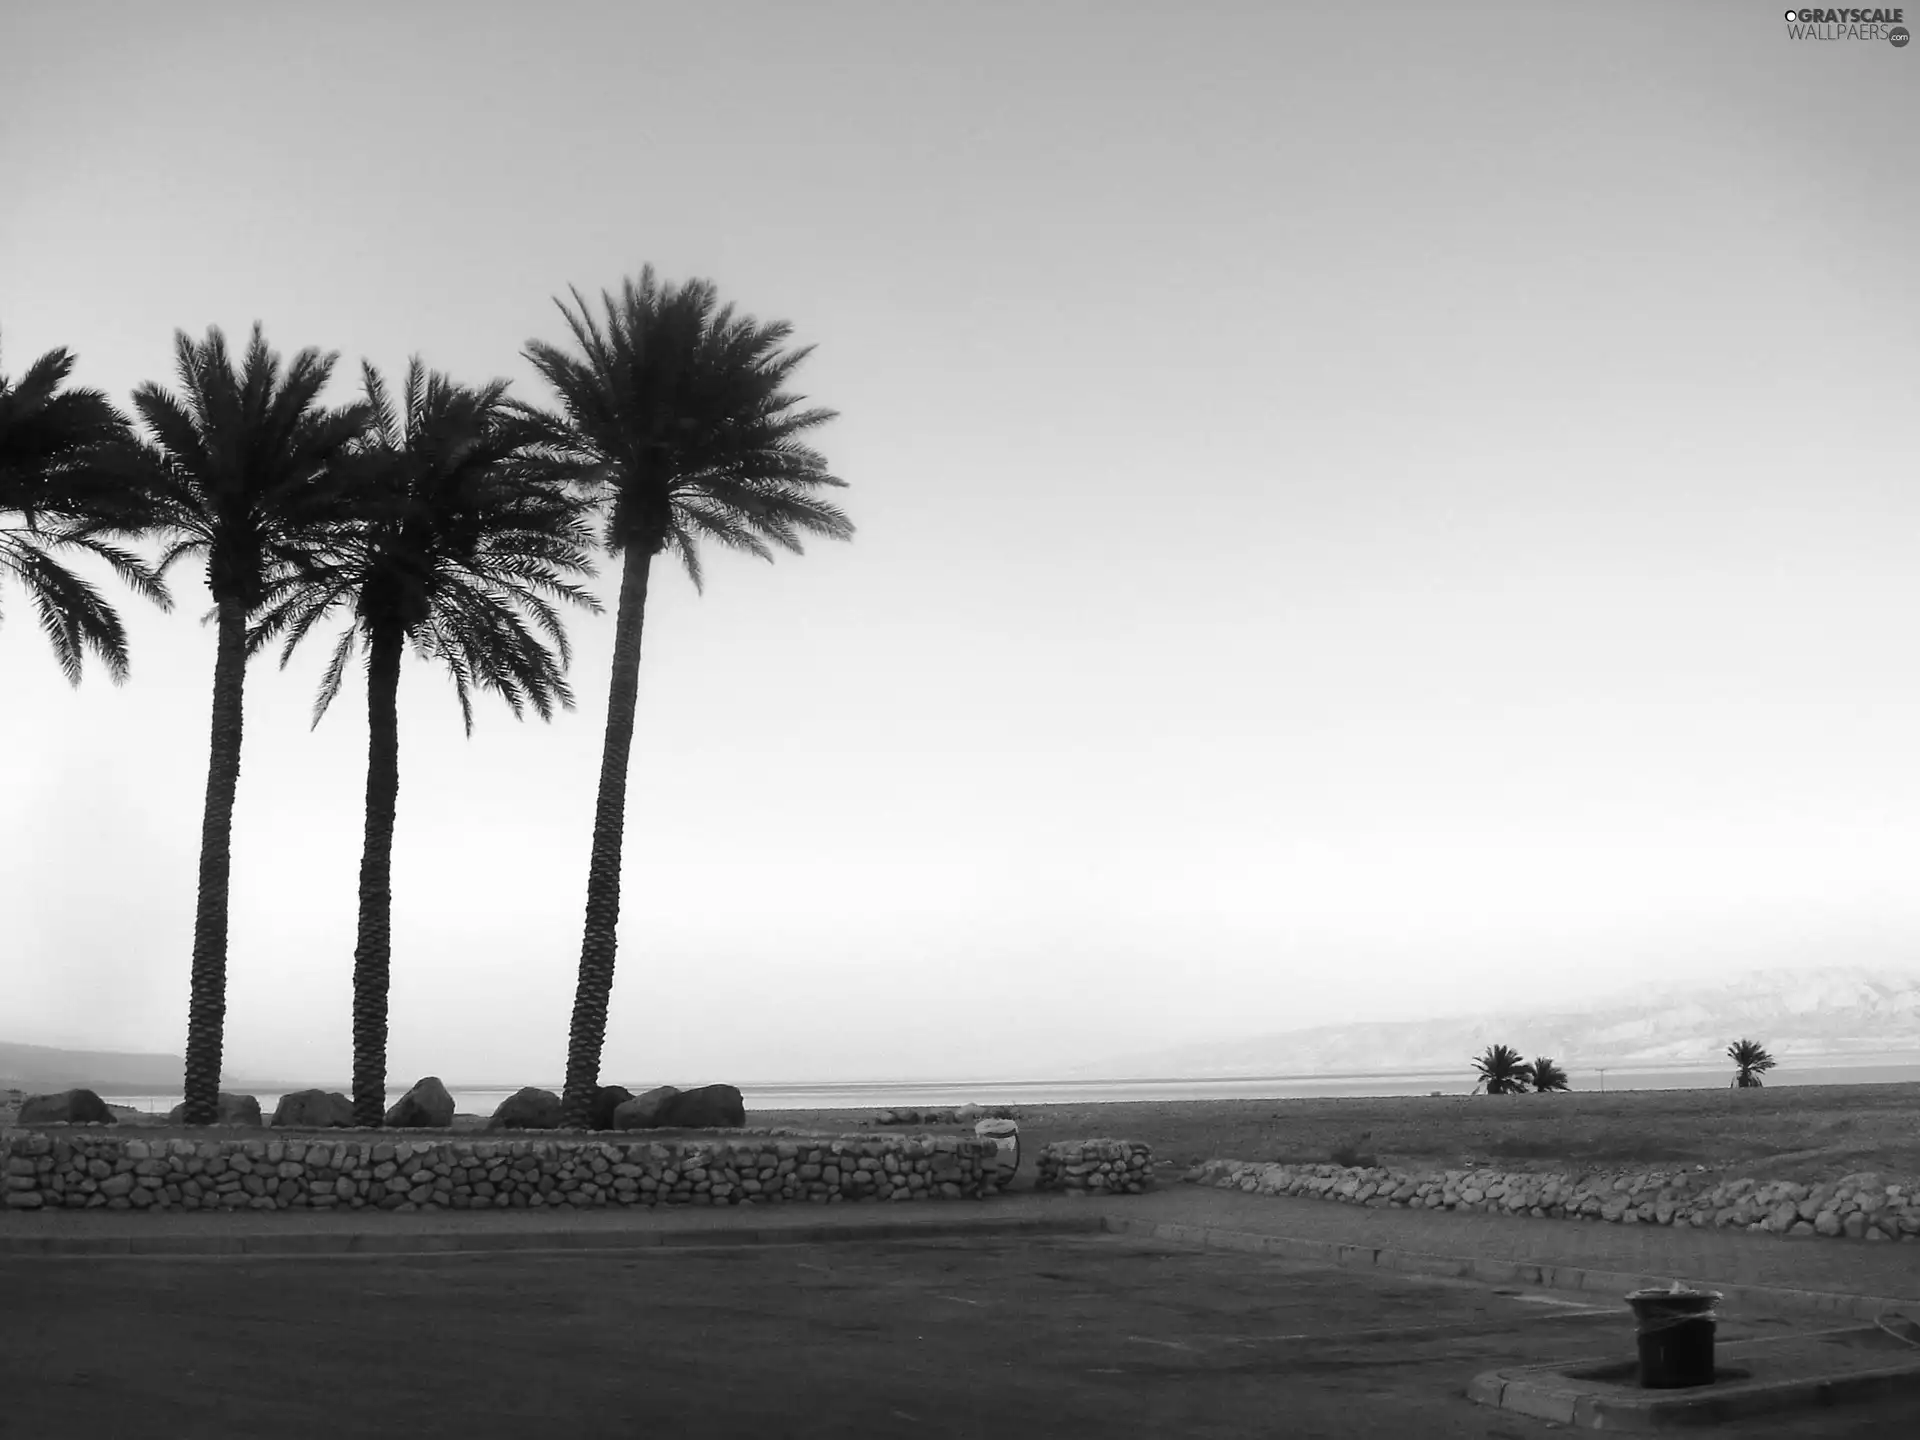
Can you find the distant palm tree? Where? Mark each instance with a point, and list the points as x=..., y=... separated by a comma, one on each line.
x=245, y=468
x=678, y=408
x=60, y=491
x=468, y=527
x=1751, y=1061
x=1502, y=1071
x=1545, y=1075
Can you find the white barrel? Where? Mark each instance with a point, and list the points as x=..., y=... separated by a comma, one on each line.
x=1006, y=1136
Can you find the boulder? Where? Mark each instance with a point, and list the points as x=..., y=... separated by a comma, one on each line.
x=710, y=1107
x=606, y=1100
x=314, y=1110
x=643, y=1111
x=427, y=1106
x=528, y=1109
x=72, y=1107
x=233, y=1110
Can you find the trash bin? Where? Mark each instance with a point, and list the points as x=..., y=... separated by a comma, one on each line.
x=1006, y=1135
x=1675, y=1336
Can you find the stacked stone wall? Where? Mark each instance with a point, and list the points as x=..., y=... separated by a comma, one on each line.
x=87, y=1167
x=1866, y=1206
x=1105, y=1167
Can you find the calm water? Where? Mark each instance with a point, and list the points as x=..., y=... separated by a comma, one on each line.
x=482, y=1100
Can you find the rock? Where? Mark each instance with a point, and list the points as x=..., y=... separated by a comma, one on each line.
x=427, y=1106
x=232, y=1110
x=72, y=1107
x=710, y=1107
x=606, y=1100
x=313, y=1110
x=528, y=1109
x=643, y=1112
x=1854, y=1226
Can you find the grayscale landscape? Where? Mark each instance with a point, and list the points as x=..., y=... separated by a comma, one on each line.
x=854, y=719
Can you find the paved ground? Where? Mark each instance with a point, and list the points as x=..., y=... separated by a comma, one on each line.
x=1727, y=1259
x=910, y=1332
x=1068, y=1336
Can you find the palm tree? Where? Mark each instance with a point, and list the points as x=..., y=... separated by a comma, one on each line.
x=1545, y=1075
x=468, y=528
x=60, y=491
x=245, y=468
x=678, y=410
x=1502, y=1071
x=1751, y=1061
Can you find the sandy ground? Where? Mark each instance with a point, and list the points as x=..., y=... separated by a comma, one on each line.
x=1811, y=1132
x=1808, y=1132
x=1092, y=1338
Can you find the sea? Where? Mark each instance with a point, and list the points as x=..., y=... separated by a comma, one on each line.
x=897, y=1094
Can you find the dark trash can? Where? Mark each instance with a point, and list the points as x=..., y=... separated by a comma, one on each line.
x=1675, y=1337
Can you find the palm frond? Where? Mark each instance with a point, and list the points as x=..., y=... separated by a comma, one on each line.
x=466, y=525
x=336, y=671
x=1502, y=1071
x=72, y=612
x=674, y=412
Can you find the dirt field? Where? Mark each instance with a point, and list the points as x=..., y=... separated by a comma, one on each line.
x=974, y=1338
x=1808, y=1132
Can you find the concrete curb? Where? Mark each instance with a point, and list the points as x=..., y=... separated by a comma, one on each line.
x=298, y=1244
x=1547, y=1392
x=1612, y=1283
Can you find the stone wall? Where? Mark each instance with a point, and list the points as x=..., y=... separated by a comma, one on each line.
x=1857, y=1207
x=1107, y=1167
x=85, y=1168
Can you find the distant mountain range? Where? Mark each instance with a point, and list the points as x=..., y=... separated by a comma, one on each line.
x=1831, y=1014
x=42, y=1067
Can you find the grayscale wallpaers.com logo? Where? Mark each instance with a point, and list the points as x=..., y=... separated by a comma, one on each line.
x=1821, y=24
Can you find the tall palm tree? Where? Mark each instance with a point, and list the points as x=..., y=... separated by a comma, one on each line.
x=247, y=469
x=59, y=490
x=1751, y=1061
x=469, y=532
x=678, y=410
x=1546, y=1076
x=1502, y=1071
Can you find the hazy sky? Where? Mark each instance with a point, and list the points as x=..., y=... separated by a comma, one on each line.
x=1364, y=512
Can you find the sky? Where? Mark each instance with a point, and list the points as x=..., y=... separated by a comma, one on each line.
x=1363, y=513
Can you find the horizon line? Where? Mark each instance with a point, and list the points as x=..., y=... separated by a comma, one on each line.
x=1861, y=1059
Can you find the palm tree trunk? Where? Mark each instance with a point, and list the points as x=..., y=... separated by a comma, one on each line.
x=595, y=988
x=374, y=949
x=207, y=1009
